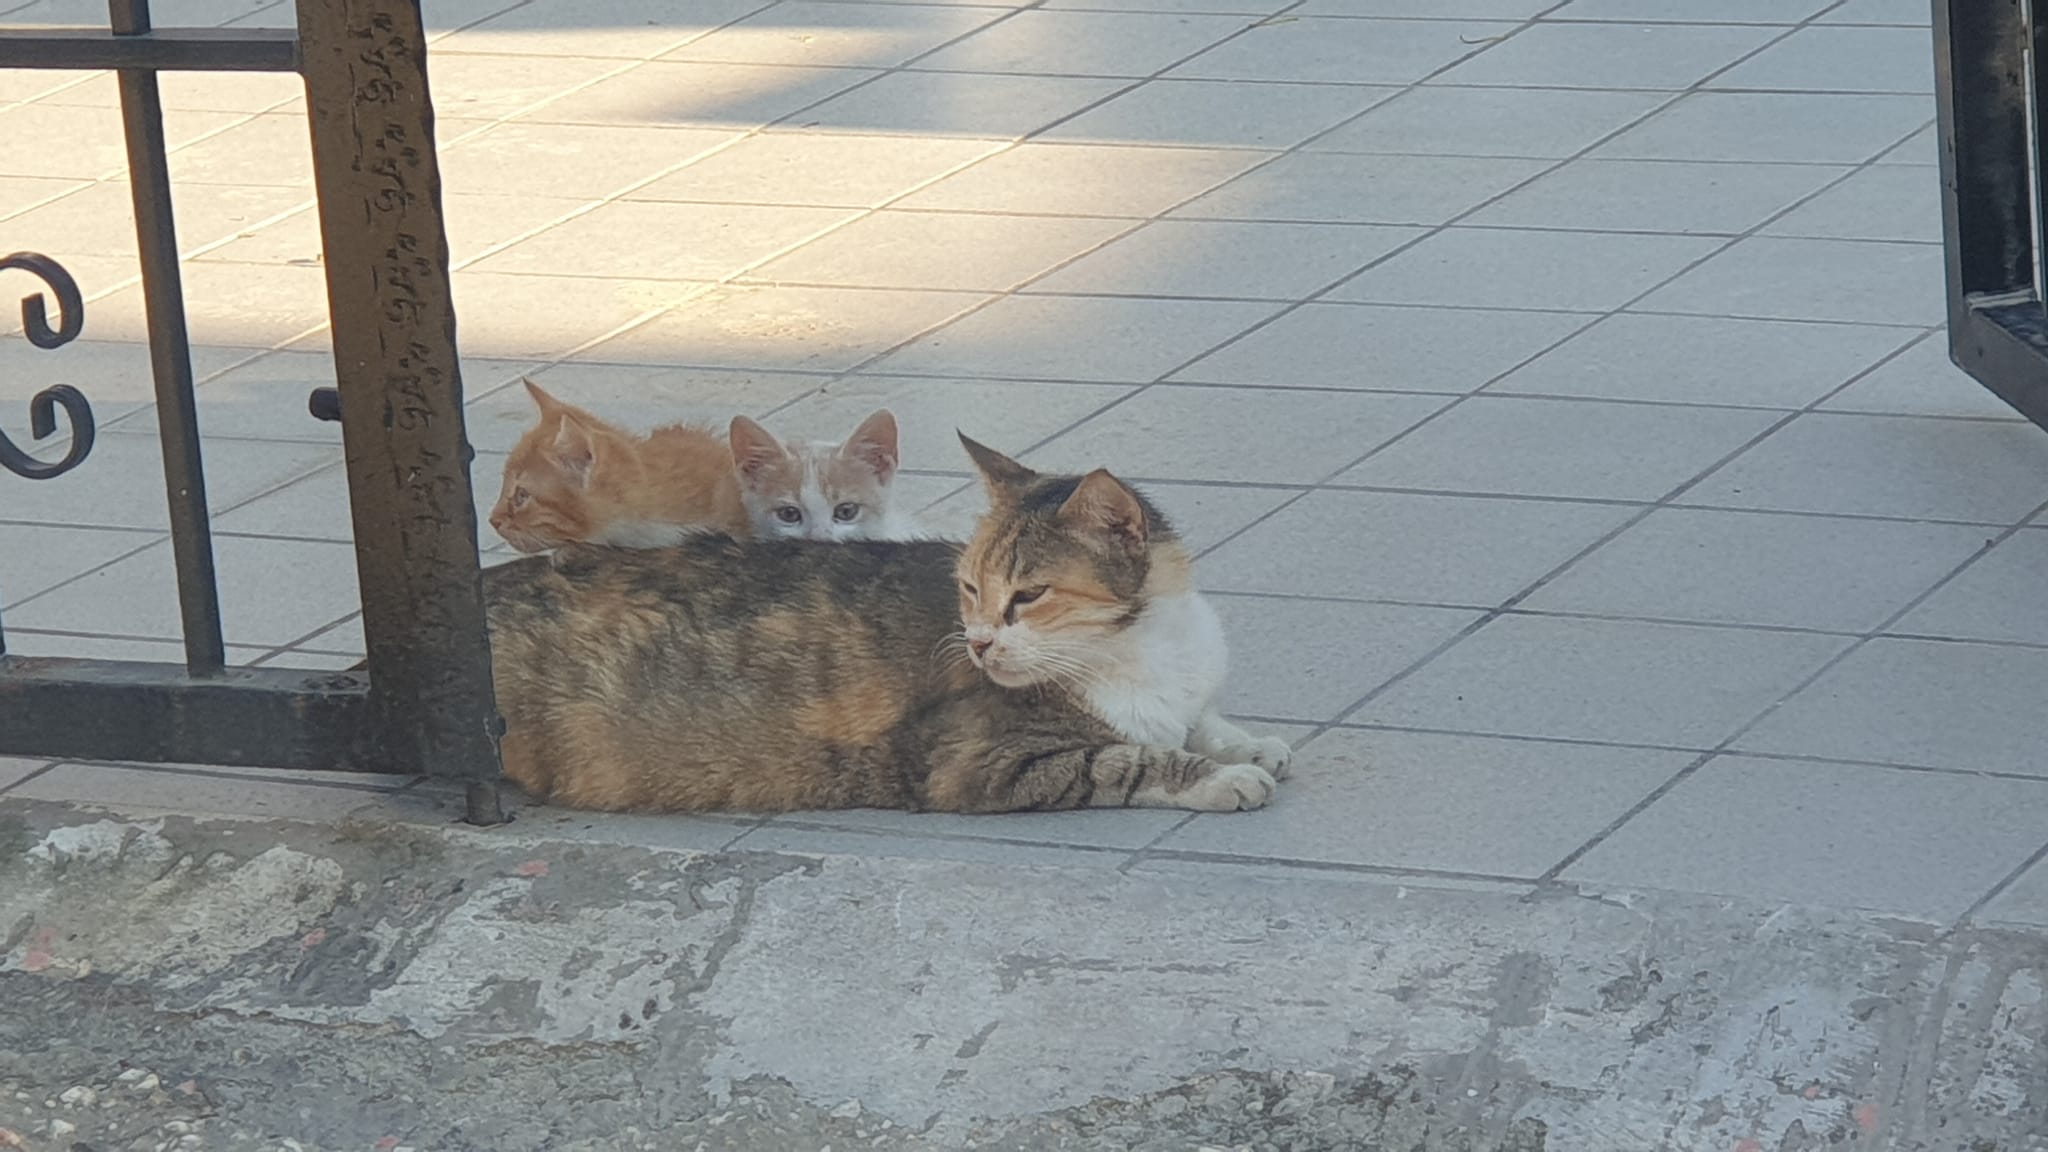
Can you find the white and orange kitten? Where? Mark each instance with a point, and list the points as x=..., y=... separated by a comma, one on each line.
x=821, y=491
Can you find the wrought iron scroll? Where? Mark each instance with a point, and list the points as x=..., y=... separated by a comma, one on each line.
x=42, y=409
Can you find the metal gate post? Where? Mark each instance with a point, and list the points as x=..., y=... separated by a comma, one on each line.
x=379, y=184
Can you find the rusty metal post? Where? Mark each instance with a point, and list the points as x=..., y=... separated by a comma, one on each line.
x=379, y=183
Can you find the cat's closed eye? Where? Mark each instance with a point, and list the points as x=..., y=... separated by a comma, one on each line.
x=1020, y=598
x=846, y=513
x=973, y=593
x=789, y=514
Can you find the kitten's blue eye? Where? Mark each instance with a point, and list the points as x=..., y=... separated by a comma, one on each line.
x=789, y=514
x=846, y=513
x=520, y=496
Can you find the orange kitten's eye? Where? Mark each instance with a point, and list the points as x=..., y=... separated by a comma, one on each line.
x=520, y=496
x=846, y=513
x=789, y=514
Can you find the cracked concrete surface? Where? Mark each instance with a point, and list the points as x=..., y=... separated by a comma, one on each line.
x=186, y=983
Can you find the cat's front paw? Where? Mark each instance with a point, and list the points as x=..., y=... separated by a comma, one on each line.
x=1273, y=754
x=1230, y=788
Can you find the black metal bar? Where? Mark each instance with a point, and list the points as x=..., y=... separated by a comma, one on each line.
x=1981, y=99
x=251, y=717
x=401, y=389
x=170, y=352
x=43, y=406
x=2005, y=346
x=163, y=50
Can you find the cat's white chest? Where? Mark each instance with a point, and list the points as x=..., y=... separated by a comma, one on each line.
x=1172, y=670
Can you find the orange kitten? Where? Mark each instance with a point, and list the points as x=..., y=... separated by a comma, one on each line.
x=574, y=478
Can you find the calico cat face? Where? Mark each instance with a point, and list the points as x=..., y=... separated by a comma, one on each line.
x=816, y=491
x=547, y=499
x=1058, y=571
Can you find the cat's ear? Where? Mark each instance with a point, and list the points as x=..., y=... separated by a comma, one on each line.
x=542, y=399
x=573, y=449
x=874, y=444
x=999, y=473
x=1102, y=504
x=753, y=447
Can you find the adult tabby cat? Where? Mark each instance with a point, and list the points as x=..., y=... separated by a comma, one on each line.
x=787, y=674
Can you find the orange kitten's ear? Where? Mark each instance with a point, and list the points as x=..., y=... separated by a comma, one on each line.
x=998, y=472
x=541, y=397
x=1102, y=503
x=753, y=447
x=573, y=449
x=874, y=444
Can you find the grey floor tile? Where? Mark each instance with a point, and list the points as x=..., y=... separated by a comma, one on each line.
x=1857, y=281
x=2026, y=902
x=1341, y=51
x=1760, y=568
x=786, y=328
x=115, y=377
x=796, y=841
x=1308, y=660
x=1506, y=268
x=1394, y=546
x=1688, y=11
x=1220, y=113
x=1705, y=360
x=1827, y=834
x=1371, y=347
x=956, y=250
x=121, y=485
x=635, y=29
x=1084, y=43
x=651, y=241
x=579, y=160
x=1997, y=598
x=674, y=93
x=835, y=35
x=953, y=104
x=1621, y=681
x=635, y=396
x=37, y=557
x=316, y=507
x=1074, y=338
x=1431, y=9
x=1974, y=707
x=826, y=169
x=1794, y=127
x=1878, y=203
x=22, y=642
x=1584, y=449
x=1243, y=434
x=1227, y=258
x=1085, y=180
x=138, y=596
x=928, y=413
x=1548, y=123
x=265, y=399
x=1363, y=189
x=1610, y=55
x=13, y=771
x=1922, y=150
x=1984, y=471
x=1911, y=13
x=1129, y=828
x=1202, y=514
x=1443, y=803
x=1922, y=381
x=1839, y=60
x=150, y=790
x=1656, y=196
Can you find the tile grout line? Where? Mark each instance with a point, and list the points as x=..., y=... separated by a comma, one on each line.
x=1726, y=744
x=1297, y=148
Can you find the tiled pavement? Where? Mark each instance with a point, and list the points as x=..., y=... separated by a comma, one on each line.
x=1555, y=391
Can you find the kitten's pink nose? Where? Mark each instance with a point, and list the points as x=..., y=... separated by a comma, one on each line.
x=979, y=646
